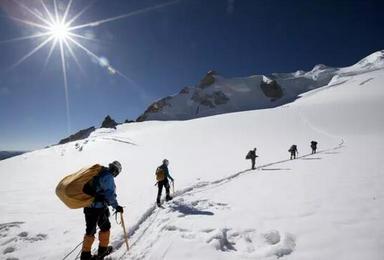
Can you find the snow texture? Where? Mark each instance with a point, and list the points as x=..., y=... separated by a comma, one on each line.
x=329, y=205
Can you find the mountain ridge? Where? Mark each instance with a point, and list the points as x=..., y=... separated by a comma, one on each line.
x=215, y=94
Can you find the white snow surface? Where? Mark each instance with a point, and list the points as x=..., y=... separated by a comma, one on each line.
x=329, y=205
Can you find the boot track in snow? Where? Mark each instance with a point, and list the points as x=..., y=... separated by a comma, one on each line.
x=147, y=219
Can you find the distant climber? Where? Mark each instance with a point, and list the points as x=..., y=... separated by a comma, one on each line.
x=314, y=146
x=162, y=175
x=252, y=156
x=102, y=186
x=293, y=151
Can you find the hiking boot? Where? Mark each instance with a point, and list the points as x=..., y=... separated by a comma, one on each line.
x=103, y=251
x=86, y=256
x=168, y=198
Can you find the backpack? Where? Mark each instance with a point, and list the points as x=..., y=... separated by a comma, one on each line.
x=89, y=187
x=248, y=156
x=293, y=148
x=160, y=174
x=72, y=190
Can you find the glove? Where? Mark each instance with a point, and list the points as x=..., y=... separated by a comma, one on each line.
x=119, y=209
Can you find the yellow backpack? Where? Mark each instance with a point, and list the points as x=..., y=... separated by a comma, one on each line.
x=160, y=174
x=70, y=189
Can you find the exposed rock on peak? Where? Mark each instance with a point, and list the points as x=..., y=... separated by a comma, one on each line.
x=271, y=89
x=215, y=94
x=209, y=99
x=109, y=123
x=185, y=90
x=155, y=107
x=208, y=79
x=82, y=134
x=219, y=98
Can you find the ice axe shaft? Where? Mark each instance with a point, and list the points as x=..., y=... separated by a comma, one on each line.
x=125, y=232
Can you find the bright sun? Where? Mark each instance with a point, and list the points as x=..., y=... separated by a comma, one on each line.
x=57, y=27
x=59, y=31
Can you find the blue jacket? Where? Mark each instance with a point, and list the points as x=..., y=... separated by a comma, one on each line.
x=105, y=188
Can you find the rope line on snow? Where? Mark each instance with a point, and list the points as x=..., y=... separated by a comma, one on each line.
x=74, y=249
x=210, y=185
x=225, y=180
x=193, y=190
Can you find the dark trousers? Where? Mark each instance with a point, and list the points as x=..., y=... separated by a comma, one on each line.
x=253, y=160
x=96, y=217
x=293, y=155
x=160, y=186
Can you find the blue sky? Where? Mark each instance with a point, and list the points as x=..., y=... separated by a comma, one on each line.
x=163, y=50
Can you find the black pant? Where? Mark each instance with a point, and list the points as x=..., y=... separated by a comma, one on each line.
x=96, y=216
x=160, y=185
x=253, y=160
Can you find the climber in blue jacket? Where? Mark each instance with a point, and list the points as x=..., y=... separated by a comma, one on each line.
x=97, y=214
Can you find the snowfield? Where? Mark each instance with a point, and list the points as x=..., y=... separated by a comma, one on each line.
x=329, y=205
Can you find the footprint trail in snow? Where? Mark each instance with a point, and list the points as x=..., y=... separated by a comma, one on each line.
x=157, y=223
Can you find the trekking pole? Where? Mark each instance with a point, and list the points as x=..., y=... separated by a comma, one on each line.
x=173, y=188
x=125, y=232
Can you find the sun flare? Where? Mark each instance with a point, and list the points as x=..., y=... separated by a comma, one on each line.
x=57, y=27
x=59, y=31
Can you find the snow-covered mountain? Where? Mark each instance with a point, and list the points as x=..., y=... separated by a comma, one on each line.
x=217, y=95
x=329, y=205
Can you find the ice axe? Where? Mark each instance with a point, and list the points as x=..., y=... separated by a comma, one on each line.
x=125, y=232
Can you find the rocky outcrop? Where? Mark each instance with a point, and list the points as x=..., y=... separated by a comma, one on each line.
x=108, y=123
x=201, y=98
x=82, y=134
x=210, y=100
x=158, y=105
x=208, y=79
x=154, y=107
x=142, y=118
x=220, y=98
x=271, y=89
x=185, y=91
x=196, y=94
x=215, y=94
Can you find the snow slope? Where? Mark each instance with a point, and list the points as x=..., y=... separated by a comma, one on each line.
x=217, y=95
x=323, y=206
